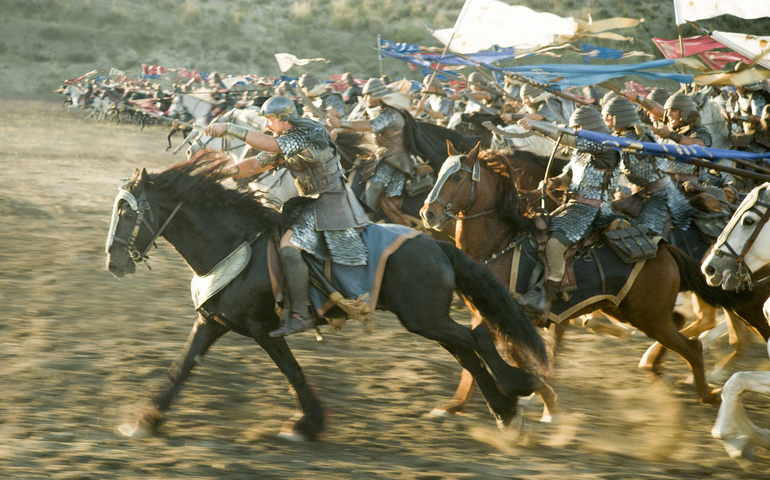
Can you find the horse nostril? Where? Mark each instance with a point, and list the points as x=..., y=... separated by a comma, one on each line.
x=710, y=270
x=429, y=215
x=111, y=265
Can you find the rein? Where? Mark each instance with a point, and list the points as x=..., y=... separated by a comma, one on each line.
x=142, y=208
x=475, y=176
x=742, y=269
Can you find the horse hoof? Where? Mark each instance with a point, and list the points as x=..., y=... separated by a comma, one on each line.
x=134, y=431
x=292, y=437
x=554, y=419
x=440, y=412
x=514, y=427
x=712, y=398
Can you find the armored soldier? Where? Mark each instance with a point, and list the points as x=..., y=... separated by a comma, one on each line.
x=328, y=228
x=665, y=204
x=436, y=104
x=539, y=105
x=477, y=96
x=353, y=92
x=322, y=96
x=683, y=128
x=394, y=163
x=652, y=104
x=590, y=179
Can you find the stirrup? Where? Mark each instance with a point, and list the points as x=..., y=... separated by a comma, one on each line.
x=293, y=324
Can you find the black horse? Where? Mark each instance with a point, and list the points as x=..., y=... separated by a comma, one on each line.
x=205, y=221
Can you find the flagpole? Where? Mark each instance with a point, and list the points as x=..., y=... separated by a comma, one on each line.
x=681, y=52
x=379, y=54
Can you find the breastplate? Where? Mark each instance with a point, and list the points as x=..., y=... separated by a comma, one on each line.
x=392, y=140
x=316, y=171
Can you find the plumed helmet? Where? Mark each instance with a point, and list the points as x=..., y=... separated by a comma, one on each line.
x=659, y=95
x=607, y=97
x=309, y=81
x=281, y=107
x=528, y=90
x=623, y=110
x=476, y=78
x=683, y=103
x=589, y=119
x=376, y=88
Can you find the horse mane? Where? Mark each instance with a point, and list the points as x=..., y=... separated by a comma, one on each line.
x=198, y=182
x=509, y=205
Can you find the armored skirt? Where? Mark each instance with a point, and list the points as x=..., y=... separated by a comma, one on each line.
x=571, y=222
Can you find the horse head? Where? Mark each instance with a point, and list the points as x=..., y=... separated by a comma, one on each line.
x=744, y=245
x=132, y=229
x=455, y=190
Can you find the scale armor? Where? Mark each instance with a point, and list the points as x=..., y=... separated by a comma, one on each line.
x=329, y=227
x=667, y=204
x=640, y=170
x=589, y=181
x=699, y=132
x=571, y=222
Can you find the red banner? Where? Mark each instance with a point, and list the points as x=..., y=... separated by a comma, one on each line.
x=717, y=60
x=153, y=69
x=692, y=46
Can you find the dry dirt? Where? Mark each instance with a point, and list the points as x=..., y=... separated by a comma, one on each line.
x=81, y=350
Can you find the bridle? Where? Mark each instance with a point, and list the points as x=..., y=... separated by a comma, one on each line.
x=142, y=208
x=742, y=270
x=474, y=176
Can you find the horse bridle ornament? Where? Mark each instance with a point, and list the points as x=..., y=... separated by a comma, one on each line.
x=142, y=208
x=742, y=270
x=456, y=165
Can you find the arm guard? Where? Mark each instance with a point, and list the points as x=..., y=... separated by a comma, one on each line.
x=237, y=131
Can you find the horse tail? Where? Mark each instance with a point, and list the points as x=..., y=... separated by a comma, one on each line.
x=515, y=330
x=691, y=279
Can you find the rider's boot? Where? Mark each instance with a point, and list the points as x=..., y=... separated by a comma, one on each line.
x=297, y=281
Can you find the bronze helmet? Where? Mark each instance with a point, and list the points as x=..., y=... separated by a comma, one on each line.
x=589, y=119
x=623, y=110
x=659, y=95
x=309, y=81
x=683, y=103
x=376, y=88
x=281, y=107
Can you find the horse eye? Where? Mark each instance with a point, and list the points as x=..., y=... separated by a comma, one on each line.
x=455, y=177
x=748, y=221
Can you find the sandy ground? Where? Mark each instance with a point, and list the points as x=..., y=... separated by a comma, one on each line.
x=81, y=350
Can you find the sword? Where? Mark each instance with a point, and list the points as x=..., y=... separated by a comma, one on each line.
x=505, y=134
x=473, y=100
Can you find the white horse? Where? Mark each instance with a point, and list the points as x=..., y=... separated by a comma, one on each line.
x=740, y=252
x=190, y=106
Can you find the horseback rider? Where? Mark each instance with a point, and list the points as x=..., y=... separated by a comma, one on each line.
x=477, y=92
x=683, y=127
x=590, y=179
x=665, y=205
x=352, y=93
x=328, y=228
x=322, y=96
x=540, y=105
x=394, y=163
x=437, y=105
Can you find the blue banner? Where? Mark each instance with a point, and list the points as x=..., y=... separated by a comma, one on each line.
x=424, y=60
x=681, y=153
x=592, y=52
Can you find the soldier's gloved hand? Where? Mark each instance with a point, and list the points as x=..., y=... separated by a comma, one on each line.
x=216, y=130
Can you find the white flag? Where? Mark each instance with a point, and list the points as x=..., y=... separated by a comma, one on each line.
x=749, y=46
x=116, y=72
x=698, y=9
x=485, y=23
x=287, y=60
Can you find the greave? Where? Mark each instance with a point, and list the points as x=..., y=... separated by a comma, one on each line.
x=297, y=280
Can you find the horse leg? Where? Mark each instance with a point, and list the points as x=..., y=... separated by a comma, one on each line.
x=463, y=393
x=311, y=424
x=740, y=340
x=204, y=334
x=652, y=359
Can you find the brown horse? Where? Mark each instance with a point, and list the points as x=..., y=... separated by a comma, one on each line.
x=483, y=196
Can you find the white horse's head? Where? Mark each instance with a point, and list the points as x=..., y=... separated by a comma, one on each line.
x=744, y=245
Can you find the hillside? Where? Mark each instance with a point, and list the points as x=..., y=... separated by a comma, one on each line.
x=46, y=41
